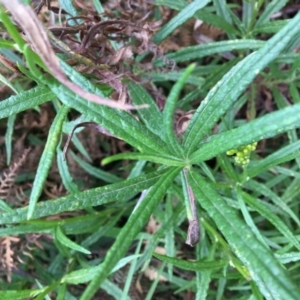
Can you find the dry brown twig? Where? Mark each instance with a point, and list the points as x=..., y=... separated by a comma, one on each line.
x=8, y=177
x=38, y=39
x=7, y=254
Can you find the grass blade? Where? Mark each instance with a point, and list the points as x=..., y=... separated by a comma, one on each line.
x=268, y=274
x=199, y=51
x=25, y=100
x=227, y=91
x=192, y=265
x=128, y=233
x=178, y=20
x=93, y=197
x=169, y=111
x=265, y=127
x=47, y=158
x=152, y=117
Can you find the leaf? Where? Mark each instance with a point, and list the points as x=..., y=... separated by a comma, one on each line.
x=25, y=100
x=70, y=8
x=64, y=173
x=47, y=158
x=128, y=233
x=265, y=270
x=264, y=127
x=93, y=197
x=263, y=189
x=199, y=51
x=118, y=123
x=169, y=111
x=152, y=117
x=4, y=206
x=178, y=20
x=8, y=137
x=227, y=91
x=38, y=40
x=192, y=265
x=18, y=295
x=64, y=240
x=270, y=27
x=280, y=156
x=248, y=218
x=158, y=158
x=269, y=215
x=271, y=8
x=204, y=14
x=113, y=290
x=173, y=76
x=288, y=257
x=87, y=274
x=224, y=12
x=96, y=172
x=11, y=29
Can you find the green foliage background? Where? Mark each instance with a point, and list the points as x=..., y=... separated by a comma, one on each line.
x=249, y=246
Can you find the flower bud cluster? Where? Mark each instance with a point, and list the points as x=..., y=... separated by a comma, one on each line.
x=242, y=154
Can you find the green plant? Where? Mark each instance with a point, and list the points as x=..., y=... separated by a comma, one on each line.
x=227, y=239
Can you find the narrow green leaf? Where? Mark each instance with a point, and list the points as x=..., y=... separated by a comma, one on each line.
x=264, y=268
x=18, y=295
x=227, y=91
x=117, y=122
x=173, y=76
x=128, y=233
x=248, y=9
x=65, y=175
x=283, y=155
x=192, y=265
x=7, y=82
x=222, y=9
x=178, y=20
x=70, y=8
x=4, y=206
x=172, y=222
x=47, y=158
x=210, y=81
x=76, y=225
x=203, y=285
x=6, y=44
x=288, y=257
x=217, y=21
x=270, y=27
x=11, y=29
x=150, y=294
x=25, y=100
x=87, y=274
x=269, y=215
x=170, y=233
x=8, y=137
x=169, y=111
x=93, y=197
x=199, y=51
x=96, y=172
x=158, y=158
x=247, y=217
x=113, y=290
x=131, y=271
x=265, y=127
x=204, y=14
x=271, y=8
x=263, y=189
x=64, y=240
x=151, y=116
x=68, y=128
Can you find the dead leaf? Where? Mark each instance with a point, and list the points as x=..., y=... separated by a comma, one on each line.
x=38, y=39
